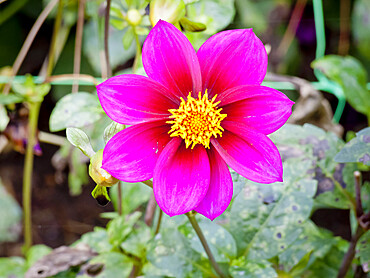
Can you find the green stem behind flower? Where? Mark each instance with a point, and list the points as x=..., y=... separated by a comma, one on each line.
x=159, y=221
x=27, y=174
x=138, y=52
x=119, y=198
x=203, y=240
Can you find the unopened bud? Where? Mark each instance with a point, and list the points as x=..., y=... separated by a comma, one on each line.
x=168, y=10
x=133, y=17
x=97, y=173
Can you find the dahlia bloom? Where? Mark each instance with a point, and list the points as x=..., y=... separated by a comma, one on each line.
x=195, y=114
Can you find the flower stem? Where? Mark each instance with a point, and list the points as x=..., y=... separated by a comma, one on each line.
x=27, y=174
x=78, y=43
x=138, y=52
x=119, y=198
x=106, y=39
x=203, y=240
x=159, y=221
x=57, y=24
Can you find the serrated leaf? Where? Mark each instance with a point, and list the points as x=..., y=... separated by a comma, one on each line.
x=112, y=130
x=4, y=119
x=350, y=75
x=96, y=240
x=79, y=139
x=75, y=110
x=356, y=150
x=119, y=228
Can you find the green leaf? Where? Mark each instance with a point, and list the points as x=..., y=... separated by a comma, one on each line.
x=75, y=110
x=136, y=242
x=220, y=241
x=10, y=99
x=119, y=228
x=115, y=265
x=350, y=75
x=356, y=150
x=112, y=130
x=310, y=143
x=216, y=15
x=169, y=252
x=192, y=26
x=128, y=38
x=100, y=194
x=14, y=267
x=96, y=240
x=363, y=248
x=79, y=139
x=253, y=269
x=36, y=252
x=133, y=196
x=10, y=215
x=266, y=219
x=4, y=119
x=361, y=26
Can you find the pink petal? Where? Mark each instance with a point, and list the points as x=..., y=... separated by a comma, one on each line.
x=170, y=59
x=261, y=108
x=181, y=177
x=253, y=156
x=132, y=153
x=232, y=58
x=131, y=99
x=220, y=189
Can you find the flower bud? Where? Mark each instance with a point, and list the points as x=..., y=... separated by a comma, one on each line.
x=98, y=174
x=169, y=10
x=133, y=17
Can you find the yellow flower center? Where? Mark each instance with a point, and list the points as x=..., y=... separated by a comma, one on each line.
x=197, y=120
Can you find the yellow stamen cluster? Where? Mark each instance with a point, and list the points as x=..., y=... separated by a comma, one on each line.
x=196, y=120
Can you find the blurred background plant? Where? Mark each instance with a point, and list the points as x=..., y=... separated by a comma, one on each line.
x=315, y=224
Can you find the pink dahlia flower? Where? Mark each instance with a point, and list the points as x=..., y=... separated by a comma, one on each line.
x=195, y=114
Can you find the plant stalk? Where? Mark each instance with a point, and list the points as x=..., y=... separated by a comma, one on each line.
x=57, y=24
x=27, y=174
x=106, y=39
x=138, y=52
x=119, y=198
x=203, y=240
x=159, y=221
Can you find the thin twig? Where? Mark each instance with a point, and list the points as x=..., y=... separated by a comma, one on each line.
x=294, y=21
x=57, y=24
x=359, y=210
x=148, y=183
x=119, y=198
x=150, y=211
x=159, y=221
x=78, y=42
x=203, y=240
x=51, y=138
x=106, y=39
x=28, y=42
x=347, y=260
x=80, y=77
